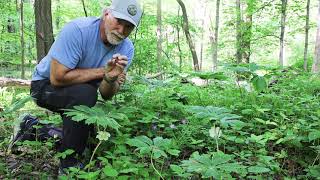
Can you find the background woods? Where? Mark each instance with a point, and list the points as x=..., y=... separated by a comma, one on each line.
x=202, y=35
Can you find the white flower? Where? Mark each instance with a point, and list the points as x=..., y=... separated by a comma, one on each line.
x=103, y=136
x=215, y=132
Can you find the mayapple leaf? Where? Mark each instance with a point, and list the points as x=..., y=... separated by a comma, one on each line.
x=64, y=154
x=212, y=172
x=159, y=147
x=176, y=169
x=110, y=172
x=157, y=153
x=138, y=142
x=258, y=169
x=259, y=83
x=160, y=142
x=173, y=152
x=145, y=139
x=94, y=115
x=217, y=165
x=313, y=135
x=89, y=175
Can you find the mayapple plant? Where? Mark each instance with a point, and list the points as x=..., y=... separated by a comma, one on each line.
x=102, y=118
x=156, y=148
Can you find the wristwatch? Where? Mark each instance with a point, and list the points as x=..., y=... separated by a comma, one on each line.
x=109, y=80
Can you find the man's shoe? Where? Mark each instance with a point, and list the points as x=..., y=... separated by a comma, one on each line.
x=24, y=130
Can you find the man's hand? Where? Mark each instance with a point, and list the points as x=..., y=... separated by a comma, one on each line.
x=116, y=66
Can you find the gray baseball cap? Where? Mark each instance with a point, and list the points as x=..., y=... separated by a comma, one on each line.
x=128, y=10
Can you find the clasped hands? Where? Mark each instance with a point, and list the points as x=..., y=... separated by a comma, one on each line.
x=114, y=70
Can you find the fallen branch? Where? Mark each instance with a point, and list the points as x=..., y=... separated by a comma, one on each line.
x=13, y=82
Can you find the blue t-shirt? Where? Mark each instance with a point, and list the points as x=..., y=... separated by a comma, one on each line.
x=79, y=46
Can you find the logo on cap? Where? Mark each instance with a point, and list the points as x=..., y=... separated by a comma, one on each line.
x=132, y=10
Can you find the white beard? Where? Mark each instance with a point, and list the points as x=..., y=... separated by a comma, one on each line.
x=114, y=38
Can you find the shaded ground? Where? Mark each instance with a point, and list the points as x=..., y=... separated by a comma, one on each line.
x=30, y=164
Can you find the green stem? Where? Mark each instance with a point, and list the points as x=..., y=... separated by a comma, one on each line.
x=217, y=144
x=94, y=151
x=155, y=167
x=315, y=160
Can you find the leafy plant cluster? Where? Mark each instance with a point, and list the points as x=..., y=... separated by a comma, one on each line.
x=181, y=130
x=175, y=129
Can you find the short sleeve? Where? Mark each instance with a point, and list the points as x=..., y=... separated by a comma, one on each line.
x=128, y=50
x=67, y=47
x=130, y=55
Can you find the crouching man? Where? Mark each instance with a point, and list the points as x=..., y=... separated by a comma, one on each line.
x=89, y=54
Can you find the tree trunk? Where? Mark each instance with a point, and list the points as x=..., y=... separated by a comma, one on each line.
x=315, y=66
x=44, y=31
x=159, y=35
x=178, y=43
x=58, y=18
x=247, y=34
x=204, y=6
x=283, y=26
x=188, y=36
x=239, y=32
x=22, y=40
x=305, y=57
x=247, y=39
x=216, y=34
x=84, y=8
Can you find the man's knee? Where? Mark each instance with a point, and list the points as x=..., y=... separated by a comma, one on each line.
x=83, y=94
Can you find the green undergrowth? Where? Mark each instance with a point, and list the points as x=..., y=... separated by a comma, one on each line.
x=173, y=129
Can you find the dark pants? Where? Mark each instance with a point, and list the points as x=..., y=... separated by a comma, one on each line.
x=75, y=134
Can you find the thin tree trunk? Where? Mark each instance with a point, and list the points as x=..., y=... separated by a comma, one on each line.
x=248, y=37
x=315, y=66
x=283, y=26
x=178, y=43
x=58, y=18
x=44, y=31
x=22, y=40
x=247, y=34
x=84, y=8
x=305, y=57
x=159, y=35
x=17, y=5
x=202, y=33
x=239, y=32
x=216, y=34
x=188, y=36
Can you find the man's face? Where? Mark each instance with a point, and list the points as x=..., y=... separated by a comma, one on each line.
x=116, y=30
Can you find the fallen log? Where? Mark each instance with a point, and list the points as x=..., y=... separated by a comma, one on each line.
x=5, y=82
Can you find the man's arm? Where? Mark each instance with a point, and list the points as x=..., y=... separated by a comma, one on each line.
x=109, y=89
x=63, y=76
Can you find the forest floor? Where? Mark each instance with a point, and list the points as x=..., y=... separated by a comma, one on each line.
x=268, y=127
